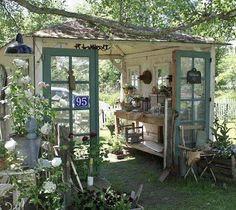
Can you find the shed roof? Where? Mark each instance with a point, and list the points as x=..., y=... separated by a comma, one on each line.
x=80, y=29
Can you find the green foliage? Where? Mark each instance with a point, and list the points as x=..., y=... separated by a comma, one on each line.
x=223, y=142
x=47, y=193
x=14, y=18
x=3, y=150
x=110, y=98
x=109, y=77
x=227, y=76
x=170, y=13
x=83, y=150
x=106, y=199
x=116, y=145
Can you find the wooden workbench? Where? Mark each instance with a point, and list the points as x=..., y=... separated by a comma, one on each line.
x=148, y=146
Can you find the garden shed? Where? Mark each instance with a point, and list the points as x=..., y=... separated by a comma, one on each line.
x=173, y=78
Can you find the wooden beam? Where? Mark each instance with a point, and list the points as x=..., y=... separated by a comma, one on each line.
x=107, y=57
x=119, y=49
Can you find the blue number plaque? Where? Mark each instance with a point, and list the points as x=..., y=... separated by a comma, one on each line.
x=81, y=101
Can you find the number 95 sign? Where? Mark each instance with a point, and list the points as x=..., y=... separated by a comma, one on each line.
x=81, y=101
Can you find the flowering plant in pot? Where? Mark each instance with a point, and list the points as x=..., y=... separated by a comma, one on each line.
x=30, y=114
x=222, y=144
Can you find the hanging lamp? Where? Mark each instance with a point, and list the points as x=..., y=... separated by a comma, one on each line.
x=18, y=47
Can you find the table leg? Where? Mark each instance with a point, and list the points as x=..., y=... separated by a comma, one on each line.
x=117, y=124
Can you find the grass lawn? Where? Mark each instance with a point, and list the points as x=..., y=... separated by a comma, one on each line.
x=175, y=193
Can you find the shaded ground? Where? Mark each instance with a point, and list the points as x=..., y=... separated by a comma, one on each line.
x=174, y=193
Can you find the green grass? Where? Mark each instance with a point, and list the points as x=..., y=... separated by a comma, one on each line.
x=175, y=193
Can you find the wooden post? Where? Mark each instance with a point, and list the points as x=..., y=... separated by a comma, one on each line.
x=233, y=167
x=65, y=156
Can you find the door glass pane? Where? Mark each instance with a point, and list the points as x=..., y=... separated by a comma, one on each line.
x=185, y=110
x=81, y=121
x=199, y=110
x=60, y=96
x=186, y=65
x=185, y=90
x=199, y=64
x=80, y=66
x=199, y=90
x=62, y=118
x=81, y=89
x=59, y=68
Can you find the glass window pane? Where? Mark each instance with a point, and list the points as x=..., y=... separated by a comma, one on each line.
x=199, y=110
x=81, y=121
x=185, y=110
x=62, y=118
x=185, y=90
x=199, y=90
x=81, y=89
x=80, y=66
x=59, y=68
x=60, y=96
x=186, y=65
x=199, y=64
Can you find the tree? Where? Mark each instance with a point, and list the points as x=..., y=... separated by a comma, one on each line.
x=190, y=15
x=109, y=77
x=14, y=18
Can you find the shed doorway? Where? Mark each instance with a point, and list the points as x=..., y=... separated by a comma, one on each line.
x=72, y=76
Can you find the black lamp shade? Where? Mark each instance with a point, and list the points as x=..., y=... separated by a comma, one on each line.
x=19, y=46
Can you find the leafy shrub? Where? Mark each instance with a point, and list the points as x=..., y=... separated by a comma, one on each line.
x=223, y=143
x=106, y=199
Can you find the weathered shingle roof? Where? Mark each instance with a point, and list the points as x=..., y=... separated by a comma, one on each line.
x=80, y=29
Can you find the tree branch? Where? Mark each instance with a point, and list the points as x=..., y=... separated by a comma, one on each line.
x=128, y=28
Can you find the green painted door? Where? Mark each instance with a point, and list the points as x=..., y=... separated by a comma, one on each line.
x=193, y=99
x=76, y=104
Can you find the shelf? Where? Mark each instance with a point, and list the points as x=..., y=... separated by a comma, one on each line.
x=149, y=147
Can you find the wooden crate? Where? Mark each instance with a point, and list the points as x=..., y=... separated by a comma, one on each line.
x=224, y=169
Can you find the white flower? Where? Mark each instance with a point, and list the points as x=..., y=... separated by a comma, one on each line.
x=43, y=84
x=20, y=63
x=46, y=128
x=56, y=161
x=7, y=90
x=49, y=187
x=25, y=80
x=10, y=145
x=28, y=93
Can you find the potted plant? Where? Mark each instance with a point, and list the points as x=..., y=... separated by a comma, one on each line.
x=128, y=89
x=30, y=114
x=110, y=124
x=117, y=148
x=222, y=146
